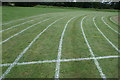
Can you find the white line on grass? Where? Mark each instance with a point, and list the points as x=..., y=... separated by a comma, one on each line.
x=16, y=26
x=91, y=52
x=79, y=59
x=22, y=19
x=62, y=60
x=109, y=26
x=57, y=70
x=113, y=21
x=23, y=31
x=105, y=36
x=24, y=51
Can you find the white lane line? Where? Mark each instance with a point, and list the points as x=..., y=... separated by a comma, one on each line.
x=113, y=21
x=109, y=25
x=62, y=60
x=105, y=36
x=16, y=26
x=23, y=31
x=91, y=52
x=57, y=70
x=24, y=51
x=90, y=58
x=21, y=19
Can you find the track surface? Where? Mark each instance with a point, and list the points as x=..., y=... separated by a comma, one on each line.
x=70, y=44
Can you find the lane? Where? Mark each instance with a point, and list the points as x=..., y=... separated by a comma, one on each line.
x=22, y=19
x=46, y=47
x=26, y=21
x=114, y=26
x=112, y=20
x=73, y=44
x=11, y=51
x=21, y=54
x=110, y=67
x=98, y=43
x=102, y=18
x=10, y=32
x=105, y=36
x=57, y=70
x=112, y=36
x=22, y=31
x=16, y=26
x=92, y=54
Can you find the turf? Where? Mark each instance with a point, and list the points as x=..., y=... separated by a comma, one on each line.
x=46, y=46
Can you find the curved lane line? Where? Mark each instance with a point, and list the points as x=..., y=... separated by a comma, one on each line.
x=22, y=31
x=24, y=51
x=16, y=26
x=57, y=70
x=105, y=36
x=109, y=26
x=91, y=52
x=21, y=19
x=112, y=21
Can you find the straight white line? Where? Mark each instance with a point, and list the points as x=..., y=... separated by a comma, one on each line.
x=91, y=52
x=90, y=58
x=24, y=51
x=22, y=31
x=113, y=21
x=16, y=26
x=22, y=19
x=105, y=36
x=57, y=70
x=62, y=60
x=109, y=26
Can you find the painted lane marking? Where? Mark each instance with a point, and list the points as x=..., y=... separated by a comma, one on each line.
x=16, y=26
x=105, y=36
x=91, y=52
x=24, y=51
x=109, y=26
x=57, y=70
x=21, y=19
x=62, y=60
x=23, y=31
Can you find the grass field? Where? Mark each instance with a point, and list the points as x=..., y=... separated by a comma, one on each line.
x=59, y=43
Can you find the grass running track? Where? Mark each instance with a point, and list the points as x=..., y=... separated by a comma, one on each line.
x=45, y=47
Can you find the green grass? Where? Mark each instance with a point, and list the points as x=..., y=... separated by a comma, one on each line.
x=46, y=46
x=76, y=8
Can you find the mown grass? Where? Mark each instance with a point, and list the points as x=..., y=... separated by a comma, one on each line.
x=46, y=46
x=76, y=8
x=79, y=69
